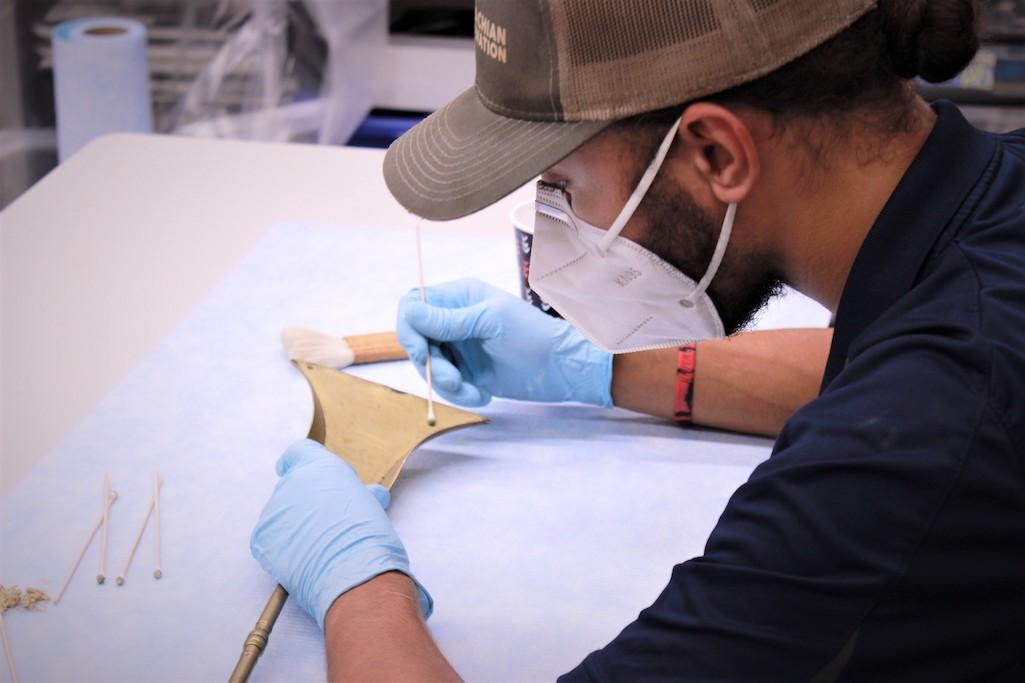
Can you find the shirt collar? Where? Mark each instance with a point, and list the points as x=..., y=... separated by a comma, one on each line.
x=922, y=206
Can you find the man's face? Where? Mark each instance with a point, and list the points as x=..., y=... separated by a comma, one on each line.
x=598, y=179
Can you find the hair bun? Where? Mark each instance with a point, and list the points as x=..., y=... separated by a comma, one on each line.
x=934, y=39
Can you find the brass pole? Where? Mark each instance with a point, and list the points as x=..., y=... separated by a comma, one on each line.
x=257, y=640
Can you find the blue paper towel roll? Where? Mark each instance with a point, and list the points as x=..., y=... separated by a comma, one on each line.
x=100, y=80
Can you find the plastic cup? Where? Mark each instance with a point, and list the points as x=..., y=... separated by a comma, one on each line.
x=523, y=224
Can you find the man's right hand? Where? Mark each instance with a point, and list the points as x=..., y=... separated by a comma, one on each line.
x=496, y=344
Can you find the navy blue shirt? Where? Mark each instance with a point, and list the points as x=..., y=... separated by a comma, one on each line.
x=884, y=539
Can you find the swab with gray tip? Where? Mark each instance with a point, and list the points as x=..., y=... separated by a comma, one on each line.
x=138, y=537
x=157, y=573
x=112, y=497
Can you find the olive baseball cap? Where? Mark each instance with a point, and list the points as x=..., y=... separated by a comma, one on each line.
x=551, y=74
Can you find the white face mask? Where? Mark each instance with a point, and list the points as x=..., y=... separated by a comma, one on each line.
x=617, y=293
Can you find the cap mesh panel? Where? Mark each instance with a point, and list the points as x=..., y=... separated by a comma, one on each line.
x=621, y=57
x=609, y=30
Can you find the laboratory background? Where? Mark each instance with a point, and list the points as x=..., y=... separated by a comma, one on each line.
x=182, y=182
x=358, y=72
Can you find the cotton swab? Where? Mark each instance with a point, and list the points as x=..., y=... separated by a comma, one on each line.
x=149, y=510
x=156, y=527
x=101, y=577
x=92, y=534
x=431, y=419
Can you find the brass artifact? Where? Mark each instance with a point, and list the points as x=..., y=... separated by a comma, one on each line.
x=374, y=428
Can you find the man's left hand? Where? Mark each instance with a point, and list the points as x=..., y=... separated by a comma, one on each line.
x=323, y=532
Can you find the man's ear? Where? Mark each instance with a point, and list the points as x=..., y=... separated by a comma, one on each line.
x=721, y=149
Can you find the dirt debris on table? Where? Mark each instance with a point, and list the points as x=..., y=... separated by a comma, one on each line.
x=12, y=596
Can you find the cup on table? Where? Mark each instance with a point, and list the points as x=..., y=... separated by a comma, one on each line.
x=523, y=224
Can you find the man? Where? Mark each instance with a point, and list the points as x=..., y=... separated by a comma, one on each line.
x=695, y=155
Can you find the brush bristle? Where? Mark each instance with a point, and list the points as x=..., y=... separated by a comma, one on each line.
x=310, y=346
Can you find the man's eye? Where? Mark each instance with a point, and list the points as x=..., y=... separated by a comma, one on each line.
x=558, y=185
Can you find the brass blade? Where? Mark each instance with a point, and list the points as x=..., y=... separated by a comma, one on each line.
x=373, y=427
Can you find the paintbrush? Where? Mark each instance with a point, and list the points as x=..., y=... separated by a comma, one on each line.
x=311, y=346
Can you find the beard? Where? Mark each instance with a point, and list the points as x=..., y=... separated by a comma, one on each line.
x=683, y=235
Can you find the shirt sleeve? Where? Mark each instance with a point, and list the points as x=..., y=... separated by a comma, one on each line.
x=826, y=530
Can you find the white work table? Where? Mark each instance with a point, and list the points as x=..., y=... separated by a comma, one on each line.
x=144, y=284
x=100, y=259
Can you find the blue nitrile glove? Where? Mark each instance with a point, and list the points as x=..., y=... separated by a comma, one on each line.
x=323, y=532
x=499, y=345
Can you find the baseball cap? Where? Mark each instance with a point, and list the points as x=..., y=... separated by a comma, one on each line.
x=551, y=74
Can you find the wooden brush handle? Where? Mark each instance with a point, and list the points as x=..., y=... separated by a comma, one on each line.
x=375, y=348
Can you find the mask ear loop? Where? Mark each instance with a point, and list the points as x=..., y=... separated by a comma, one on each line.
x=720, y=251
x=642, y=189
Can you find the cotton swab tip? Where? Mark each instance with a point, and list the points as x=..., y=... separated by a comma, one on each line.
x=120, y=580
x=157, y=573
x=431, y=420
x=100, y=578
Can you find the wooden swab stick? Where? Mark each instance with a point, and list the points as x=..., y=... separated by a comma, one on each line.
x=9, y=597
x=431, y=419
x=92, y=535
x=101, y=576
x=138, y=537
x=156, y=527
x=7, y=650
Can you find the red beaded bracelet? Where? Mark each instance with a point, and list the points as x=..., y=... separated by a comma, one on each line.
x=685, y=383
